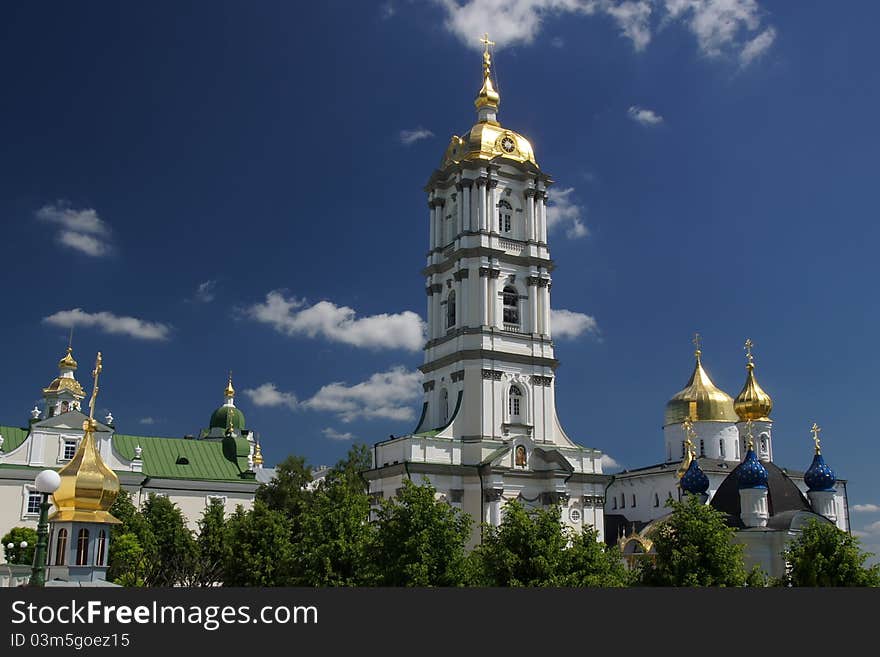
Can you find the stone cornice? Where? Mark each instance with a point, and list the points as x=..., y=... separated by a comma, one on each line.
x=525, y=172
x=488, y=354
x=491, y=330
x=498, y=254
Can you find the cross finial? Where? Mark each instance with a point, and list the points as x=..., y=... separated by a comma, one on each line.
x=485, y=41
x=815, y=429
x=95, y=374
x=698, y=344
x=487, y=58
x=748, y=347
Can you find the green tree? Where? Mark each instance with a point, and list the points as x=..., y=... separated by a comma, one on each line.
x=419, y=541
x=16, y=554
x=823, y=555
x=589, y=562
x=214, y=548
x=172, y=553
x=260, y=548
x=126, y=560
x=694, y=548
x=287, y=492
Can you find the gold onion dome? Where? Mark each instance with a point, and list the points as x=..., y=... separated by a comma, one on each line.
x=68, y=362
x=752, y=403
x=700, y=400
x=88, y=486
x=66, y=381
x=487, y=139
x=229, y=391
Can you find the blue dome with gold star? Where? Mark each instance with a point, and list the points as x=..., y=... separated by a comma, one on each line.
x=694, y=479
x=751, y=473
x=819, y=476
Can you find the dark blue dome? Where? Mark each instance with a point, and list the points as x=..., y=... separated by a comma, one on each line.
x=820, y=476
x=695, y=480
x=751, y=473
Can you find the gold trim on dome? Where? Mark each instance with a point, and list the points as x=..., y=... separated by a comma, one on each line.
x=700, y=400
x=752, y=403
x=65, y=383
x=88, y=486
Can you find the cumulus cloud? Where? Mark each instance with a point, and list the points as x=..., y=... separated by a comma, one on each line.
x=609, y=463
x=873, y=528
x=519, y=21
x=563, y=212
x=719, y=26
x=147, y=420
x=569, y=324
x=110, y=323
x=644, y=116
x=333, y=434
x=268, y=394
x=295, y=317
x=866, y=508
x=389, y=395
x=206, y=292
x=408, y=137
x=81, y=230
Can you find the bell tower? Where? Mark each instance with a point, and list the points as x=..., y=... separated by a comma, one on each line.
x=488, y=430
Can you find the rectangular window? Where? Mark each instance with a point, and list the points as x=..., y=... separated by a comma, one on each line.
x=69, y=449
x=33, y=503
x=218, y=498
x=721, y=447
x=634, y=500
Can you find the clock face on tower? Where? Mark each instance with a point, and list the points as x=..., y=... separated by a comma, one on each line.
x=507, y=145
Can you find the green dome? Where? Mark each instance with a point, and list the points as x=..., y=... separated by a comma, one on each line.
x=220, y=418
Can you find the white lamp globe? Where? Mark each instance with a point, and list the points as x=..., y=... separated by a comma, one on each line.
x=10, y=545
x=23, y=545
x=47, y=481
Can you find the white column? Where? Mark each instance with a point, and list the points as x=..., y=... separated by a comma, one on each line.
x=430, y=312
x=465, y=305
x=439, y=318
x=493, y=204
x=459, y=219
x=481, y=203
x=547, y=327
x=533, y=305
x=432, y=221
x=530, y=214
x=466, y=198
x=484, y=296
x=493, y=298
x=542, y=217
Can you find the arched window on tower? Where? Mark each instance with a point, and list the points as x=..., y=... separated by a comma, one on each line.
x=721, y=447
x=450, y=309
x=764, y=444
x=444, y=407
x=505, y=215
x=61, y=548
x=101, y=548
x=702, y=447
x=82, y=547
x=514, y=400
x=510, y=301
x=656, y=499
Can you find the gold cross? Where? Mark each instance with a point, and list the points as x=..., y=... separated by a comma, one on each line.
x=95, y=373
x=815, y=429
x=748, y=348
x=698, y=342
x=486, y=42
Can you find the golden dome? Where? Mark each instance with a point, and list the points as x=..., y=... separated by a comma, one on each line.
x=88, y=486
x=488, y=139
x=68, y=361
x=700, y=401
x=752, y=403
x=61, y=383
x=258, y=455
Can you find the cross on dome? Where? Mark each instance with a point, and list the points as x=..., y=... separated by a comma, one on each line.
x=815, y=429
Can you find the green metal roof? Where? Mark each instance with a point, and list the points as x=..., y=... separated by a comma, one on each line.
x=180, y=458
x=13, y=437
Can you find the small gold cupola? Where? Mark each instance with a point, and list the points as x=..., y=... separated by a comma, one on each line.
x=700, y=400
x=88, y=486
x=66, y=381
x=487, y=96
x=752, y=403
x=229, y=392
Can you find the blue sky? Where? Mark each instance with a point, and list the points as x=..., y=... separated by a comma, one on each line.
x=240, y=186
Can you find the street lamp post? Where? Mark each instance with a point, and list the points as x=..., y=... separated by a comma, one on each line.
x=47, y=482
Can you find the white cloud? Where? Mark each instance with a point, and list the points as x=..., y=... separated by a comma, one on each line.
x=873, y=528
x=389, y=395
x=339, y=323
x=110, y=323
x=609, y=463
x=718, y=25
x=563, y=211
x=557, y=42
x=147, y=420
x=757, y=46
x=387, y=10
x=509, y=22
x=866, y=508
x=333, y=434
x=644, y=116
x=82, y=230
x=568, y=324
x=269, y=395
x=206, y=292
x=408, y=137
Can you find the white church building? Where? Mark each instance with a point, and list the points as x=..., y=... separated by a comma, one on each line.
x=489, y=431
